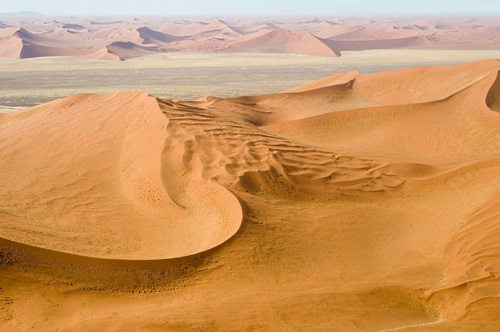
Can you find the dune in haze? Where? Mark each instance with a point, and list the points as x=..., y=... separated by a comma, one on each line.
x=283, y=41
x=10, y=46
x=19, y=43
x=352, y=203
x=125, y=38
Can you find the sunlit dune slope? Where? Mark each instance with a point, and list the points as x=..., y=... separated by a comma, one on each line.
x=455, y=117
x=353, y=203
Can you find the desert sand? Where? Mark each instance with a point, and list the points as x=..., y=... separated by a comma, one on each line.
x=130, y=37
x=352, y=203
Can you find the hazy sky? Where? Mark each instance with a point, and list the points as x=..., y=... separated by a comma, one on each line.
x=252, y=7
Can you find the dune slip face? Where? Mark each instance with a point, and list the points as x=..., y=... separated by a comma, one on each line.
x=352, y=203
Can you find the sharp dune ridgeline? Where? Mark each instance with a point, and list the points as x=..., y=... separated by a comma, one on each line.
x=125, y=38
x=353, y=203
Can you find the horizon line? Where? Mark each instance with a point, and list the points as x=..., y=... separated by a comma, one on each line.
x=35, y=14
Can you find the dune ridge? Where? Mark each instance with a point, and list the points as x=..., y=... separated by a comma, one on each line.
x=356, y=202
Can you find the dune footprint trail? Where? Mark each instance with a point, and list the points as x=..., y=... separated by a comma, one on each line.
x=353, y=203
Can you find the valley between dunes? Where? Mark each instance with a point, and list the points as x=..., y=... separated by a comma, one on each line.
x=353, y=203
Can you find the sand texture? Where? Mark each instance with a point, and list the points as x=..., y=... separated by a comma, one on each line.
x=352, y=203
x=125, y=38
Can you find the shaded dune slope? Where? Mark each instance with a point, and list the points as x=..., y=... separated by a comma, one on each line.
x=365, y=129
x=357, y=202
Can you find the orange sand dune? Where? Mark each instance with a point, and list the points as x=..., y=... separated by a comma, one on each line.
x=353, y=203
x=410, y=114
x=134, y=199
x=353, y=90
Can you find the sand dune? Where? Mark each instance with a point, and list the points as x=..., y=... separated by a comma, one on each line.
x=366, y=34
x=134, y=201
x=151, y=36
x=327, y=37
x=333, y=30
x=409, y=115
x=21, y=44
x=378, y=44
x=353, y=203
x=34, y=51
x=128, y=50
x=73, y=26
x=283, y=41
x=188, y=28
x=10, y=45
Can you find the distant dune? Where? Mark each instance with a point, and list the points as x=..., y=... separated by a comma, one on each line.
x=21, y=14
x=125, y=38
x=352, y=203
x=283, y=41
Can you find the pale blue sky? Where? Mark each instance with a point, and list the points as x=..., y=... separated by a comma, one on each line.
x=253, y=7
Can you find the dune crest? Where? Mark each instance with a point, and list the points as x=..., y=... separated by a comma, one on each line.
x=356, y=202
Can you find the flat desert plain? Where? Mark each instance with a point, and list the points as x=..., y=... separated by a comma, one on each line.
x=250, y=192
x=192, y=75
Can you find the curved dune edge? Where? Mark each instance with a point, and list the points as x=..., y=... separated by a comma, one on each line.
x=493, y=98
x=97, y=184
